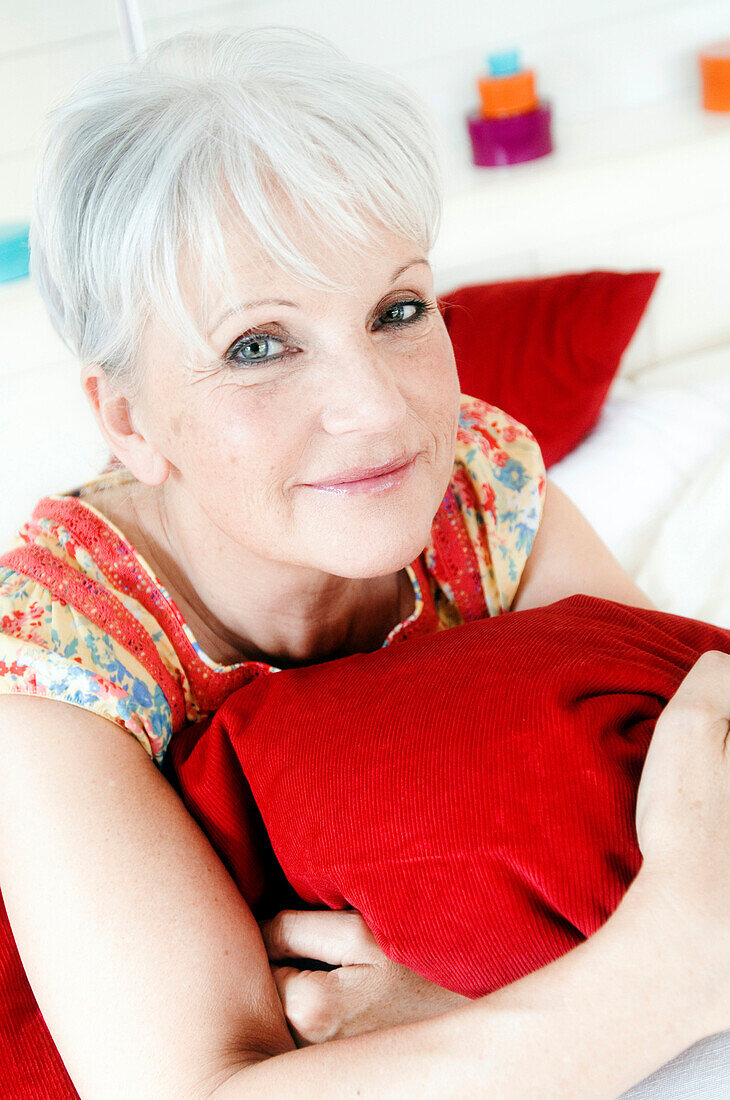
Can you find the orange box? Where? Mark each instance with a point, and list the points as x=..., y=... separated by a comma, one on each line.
x=715, y=70
x=503, y=96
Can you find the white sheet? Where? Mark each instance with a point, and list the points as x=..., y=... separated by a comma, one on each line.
x=654, y=481
x=687, y=567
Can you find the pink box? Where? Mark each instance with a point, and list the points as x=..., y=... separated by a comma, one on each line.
x=512, y=140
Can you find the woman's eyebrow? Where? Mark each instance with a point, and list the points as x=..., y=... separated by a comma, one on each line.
x=411, y=263
x=243, y=306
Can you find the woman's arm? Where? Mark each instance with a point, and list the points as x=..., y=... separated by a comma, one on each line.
x=589, y=1025
x=153, y=978
x=568, y=557
x=146, y=962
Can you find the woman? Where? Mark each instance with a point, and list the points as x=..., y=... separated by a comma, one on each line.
x=233, y=237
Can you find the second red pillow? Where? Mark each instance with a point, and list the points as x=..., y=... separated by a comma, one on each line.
x=546, y=350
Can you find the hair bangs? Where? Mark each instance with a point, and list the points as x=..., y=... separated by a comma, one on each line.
x=273, y=129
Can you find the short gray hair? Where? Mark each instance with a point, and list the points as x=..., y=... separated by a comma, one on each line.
x=138, y=164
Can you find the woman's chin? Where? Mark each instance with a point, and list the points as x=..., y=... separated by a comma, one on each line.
x=373, y=555
x=368, y=534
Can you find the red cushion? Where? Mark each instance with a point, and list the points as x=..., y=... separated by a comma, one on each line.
x=546, y=350
x=30, y=1065
x=472, y=792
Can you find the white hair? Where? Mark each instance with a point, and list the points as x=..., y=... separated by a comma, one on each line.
x=141, y=161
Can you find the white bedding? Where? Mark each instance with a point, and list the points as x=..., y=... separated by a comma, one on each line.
x=687, y=567
x=653, y=478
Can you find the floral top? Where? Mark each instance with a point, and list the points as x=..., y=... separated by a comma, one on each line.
x=83, y=618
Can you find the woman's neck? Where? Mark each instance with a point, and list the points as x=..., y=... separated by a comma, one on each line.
x=242, y=607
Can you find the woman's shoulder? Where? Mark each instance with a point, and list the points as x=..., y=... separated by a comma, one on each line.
x=484, y=530
x=84, y=620
x=497, y=450
x=485, y=430
x=69, y=632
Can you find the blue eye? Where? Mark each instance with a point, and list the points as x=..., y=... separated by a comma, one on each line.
x=403, y=313
x=255, y=348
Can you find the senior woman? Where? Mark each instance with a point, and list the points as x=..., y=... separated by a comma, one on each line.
x=234, y=237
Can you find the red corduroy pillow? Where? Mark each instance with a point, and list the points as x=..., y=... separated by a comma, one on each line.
x=546, y=350
x=471, y=793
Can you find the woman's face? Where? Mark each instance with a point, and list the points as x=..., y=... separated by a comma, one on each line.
x=322, y=433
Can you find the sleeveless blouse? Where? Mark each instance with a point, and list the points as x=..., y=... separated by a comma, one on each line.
x=84, y=619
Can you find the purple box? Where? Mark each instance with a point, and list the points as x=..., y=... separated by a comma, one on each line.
x=511, y=140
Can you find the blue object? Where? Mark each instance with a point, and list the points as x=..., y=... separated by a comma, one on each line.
x=14, y=251
x=506, y=63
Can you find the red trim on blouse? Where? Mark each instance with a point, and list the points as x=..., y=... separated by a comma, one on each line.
x=118, y=561
x=455, y=559
x=102, y=608
x=428, y=621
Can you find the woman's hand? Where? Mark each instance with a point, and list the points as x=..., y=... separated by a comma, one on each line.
x=683, y=805
x=365, y=990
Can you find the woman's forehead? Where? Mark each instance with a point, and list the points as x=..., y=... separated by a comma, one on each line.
x=256, y=278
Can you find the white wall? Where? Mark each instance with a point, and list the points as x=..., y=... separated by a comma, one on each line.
x=591, y=55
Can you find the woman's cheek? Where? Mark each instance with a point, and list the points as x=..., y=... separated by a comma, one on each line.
x=444, y=380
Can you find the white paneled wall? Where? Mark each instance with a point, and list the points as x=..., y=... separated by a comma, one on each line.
x=591, y=55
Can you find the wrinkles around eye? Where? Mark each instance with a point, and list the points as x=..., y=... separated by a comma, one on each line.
x=262, y=338
x=262, y=343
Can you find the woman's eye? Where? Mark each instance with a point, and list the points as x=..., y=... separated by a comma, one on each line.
x=259, y=348
x=401, y=312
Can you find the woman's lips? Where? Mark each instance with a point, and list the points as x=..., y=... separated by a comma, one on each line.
x=371, y=479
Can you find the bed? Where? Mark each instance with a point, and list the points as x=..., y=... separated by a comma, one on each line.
x=654, y=480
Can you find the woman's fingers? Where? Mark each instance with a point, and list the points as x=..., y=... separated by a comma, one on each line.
x=309, y=1000
x=696, y=717
x=705, y=695
x=331, y=936
x=351, y=1000
x=320, y=1005
x=683, y=806
x=364, y=992
x=684, y=793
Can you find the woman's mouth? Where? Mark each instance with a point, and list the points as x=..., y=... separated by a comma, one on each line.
x=367, y=479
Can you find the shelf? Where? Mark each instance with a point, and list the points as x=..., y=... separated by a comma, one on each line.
x=606, y=174
x=604, y=139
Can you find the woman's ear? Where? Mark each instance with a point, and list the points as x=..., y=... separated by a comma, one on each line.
x=115, y=416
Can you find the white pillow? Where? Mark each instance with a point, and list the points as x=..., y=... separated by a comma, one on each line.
x=687, y=567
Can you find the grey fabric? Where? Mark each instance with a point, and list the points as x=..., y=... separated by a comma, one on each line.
x=700, y=1073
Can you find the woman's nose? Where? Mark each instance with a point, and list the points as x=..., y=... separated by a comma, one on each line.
x=362, y=396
